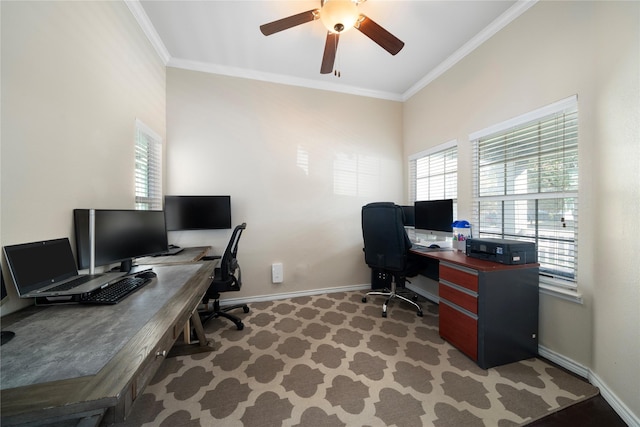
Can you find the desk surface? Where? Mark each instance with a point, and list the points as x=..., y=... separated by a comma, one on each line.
x=82, y=357
x=460, y=258
x=187, y=255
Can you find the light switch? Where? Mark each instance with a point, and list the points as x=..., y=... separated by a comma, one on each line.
x=277, y=272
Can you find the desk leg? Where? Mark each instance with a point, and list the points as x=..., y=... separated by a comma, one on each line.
x=189, y=346
x=197, y=324
x=186, y=333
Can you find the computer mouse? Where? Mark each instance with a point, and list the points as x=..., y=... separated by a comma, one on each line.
x=434, y=246
x=149, y=274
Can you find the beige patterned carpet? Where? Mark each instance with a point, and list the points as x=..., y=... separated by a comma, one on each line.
x=331, y=360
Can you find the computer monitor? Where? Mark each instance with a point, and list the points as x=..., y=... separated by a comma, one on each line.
x=5, y=336
x=409, y=216
x=197, y=212
x=434, y=217
x=120, y=236
x=3, y=288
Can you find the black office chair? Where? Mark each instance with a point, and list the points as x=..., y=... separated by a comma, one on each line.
x=226, y=277
x=386, y=249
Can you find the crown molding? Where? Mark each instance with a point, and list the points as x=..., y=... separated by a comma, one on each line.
x=499, y=23
x=149, y=30
x=279, y=78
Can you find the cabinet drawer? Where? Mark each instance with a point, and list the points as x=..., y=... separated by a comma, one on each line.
x=459, y=277
x=463, y=299
x=154, y=360
x=459, y=329
x=149, y=367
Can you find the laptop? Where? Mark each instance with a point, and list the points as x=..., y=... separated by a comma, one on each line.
x=48, y=269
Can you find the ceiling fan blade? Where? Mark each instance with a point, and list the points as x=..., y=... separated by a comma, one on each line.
x=288, y=22
x=375, y=32
x=329, y=56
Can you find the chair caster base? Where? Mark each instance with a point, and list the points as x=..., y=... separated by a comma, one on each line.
x=222, y=312
x=392, y=294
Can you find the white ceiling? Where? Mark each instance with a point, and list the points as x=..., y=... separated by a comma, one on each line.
x=223, y=37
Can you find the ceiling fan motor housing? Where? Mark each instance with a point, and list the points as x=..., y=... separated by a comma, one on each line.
x=339, y=15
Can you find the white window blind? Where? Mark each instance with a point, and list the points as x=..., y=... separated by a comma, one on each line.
x=526, y=187
x=148, y=168
x=433, y=174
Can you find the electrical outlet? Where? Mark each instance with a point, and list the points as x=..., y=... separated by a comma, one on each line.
x=277, y=273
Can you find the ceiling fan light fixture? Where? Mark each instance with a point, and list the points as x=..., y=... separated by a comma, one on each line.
x=339, y=15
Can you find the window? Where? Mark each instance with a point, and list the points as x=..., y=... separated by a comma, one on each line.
x=148, y=168
x=526, y=186
x=433, y=174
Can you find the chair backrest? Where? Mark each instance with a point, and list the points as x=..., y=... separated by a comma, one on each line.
x=386, y=243
x=229, y=261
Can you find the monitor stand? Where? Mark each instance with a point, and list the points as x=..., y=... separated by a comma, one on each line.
x=6, y=336
x=126, y=265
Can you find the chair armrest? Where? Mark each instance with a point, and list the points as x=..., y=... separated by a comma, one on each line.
x=210, y=257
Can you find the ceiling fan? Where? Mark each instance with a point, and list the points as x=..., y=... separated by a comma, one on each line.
x=337, y=16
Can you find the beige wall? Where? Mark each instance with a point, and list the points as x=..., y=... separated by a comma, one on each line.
x=281, y=153
x=75, y=76
x=555, y=50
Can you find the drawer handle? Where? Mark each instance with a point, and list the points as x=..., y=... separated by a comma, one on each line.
x=459, y=309
x=162, y=353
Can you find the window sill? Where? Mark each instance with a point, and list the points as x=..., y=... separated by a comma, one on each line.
x=558, y=292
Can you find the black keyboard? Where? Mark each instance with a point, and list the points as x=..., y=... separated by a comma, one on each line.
x=74, y=283
x=115, y=292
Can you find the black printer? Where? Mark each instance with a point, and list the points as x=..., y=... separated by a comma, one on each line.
x=503, y=251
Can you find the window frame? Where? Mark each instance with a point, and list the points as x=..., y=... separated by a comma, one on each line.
x=563, y=287
x=413, y=172
x=147, y=168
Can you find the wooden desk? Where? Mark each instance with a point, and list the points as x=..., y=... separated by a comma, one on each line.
x=488, y=310
x=81, y=361
x=187, y=255
x=460, y=258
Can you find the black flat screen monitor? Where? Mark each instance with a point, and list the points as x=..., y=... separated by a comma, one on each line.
x=3, y=289
x=197, y=212
x=434, y=215
x=409, y=216
x=120, y=236
x=5, y=336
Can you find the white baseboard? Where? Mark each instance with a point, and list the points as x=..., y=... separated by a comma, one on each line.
x=621, y=409
x=285, y=295
x=565, y=362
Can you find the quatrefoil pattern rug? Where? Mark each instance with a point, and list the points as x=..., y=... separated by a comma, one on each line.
x=332, y=360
